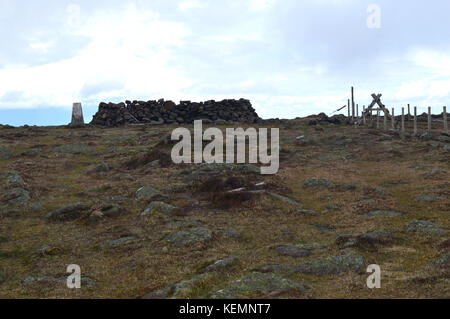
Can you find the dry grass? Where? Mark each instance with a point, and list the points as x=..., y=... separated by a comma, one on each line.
x=371, y=159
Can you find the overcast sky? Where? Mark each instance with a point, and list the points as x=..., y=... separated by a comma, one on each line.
x=289, y=57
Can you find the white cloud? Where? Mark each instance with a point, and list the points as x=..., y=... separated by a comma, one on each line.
x=129, y=45
x=190, y=4
x=261, y=4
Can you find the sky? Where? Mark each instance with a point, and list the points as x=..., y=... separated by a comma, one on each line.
x=290, y=58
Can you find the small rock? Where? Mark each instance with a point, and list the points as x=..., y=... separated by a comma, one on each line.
x=444, y=261
x=424, y=227
x=231, y=233
x=158, y=207
x=99, y=169
x=392, y=184
x=111, y=210
x=37, y=207
x=85, y=281
x=427, y=199
x=183, y=238
x=120, y=242
x=294, y=251
x=207, y=170
x=16, y=197
x=221, y=264
x=176, y=290
x=11, y=179
x=306, y=212
x=5, y=153
x=284, y=199
x=384, y=213
x=257, y=283
x=333, y=265
x=31, y=152
x=185, y=223
x=322, y=182
x=370, y=239
x=73, y=149
x=70, y=212
x=333, y=207
x=325, y=227
x=147, y=193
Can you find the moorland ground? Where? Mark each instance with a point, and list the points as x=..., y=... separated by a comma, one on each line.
x=343, y=199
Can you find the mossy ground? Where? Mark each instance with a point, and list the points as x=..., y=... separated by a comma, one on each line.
x=371, y=158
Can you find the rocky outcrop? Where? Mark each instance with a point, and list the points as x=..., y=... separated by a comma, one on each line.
x=167, y=112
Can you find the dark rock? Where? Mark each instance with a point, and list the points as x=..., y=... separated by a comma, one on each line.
x=367, y=240
x=221, y=168
x=294, y=251
x=99, y=169
x=111, y=210
x=69, y=212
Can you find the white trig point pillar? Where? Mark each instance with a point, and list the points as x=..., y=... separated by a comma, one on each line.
x=77, y=115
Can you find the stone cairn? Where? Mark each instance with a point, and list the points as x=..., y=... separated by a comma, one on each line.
x=167, y=112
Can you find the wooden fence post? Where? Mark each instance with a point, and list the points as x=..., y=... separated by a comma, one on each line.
x=364, y=114
x=403, y=119
x=357, y=111
x=445, y=121
x=353, y=104
x=415, y=120
x=348, y=107
x=385, y=121
x=378, y=119
x=409, y=114
x=429, y=119
x=393, y=119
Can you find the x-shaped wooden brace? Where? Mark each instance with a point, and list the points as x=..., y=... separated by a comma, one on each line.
x=376, y=100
